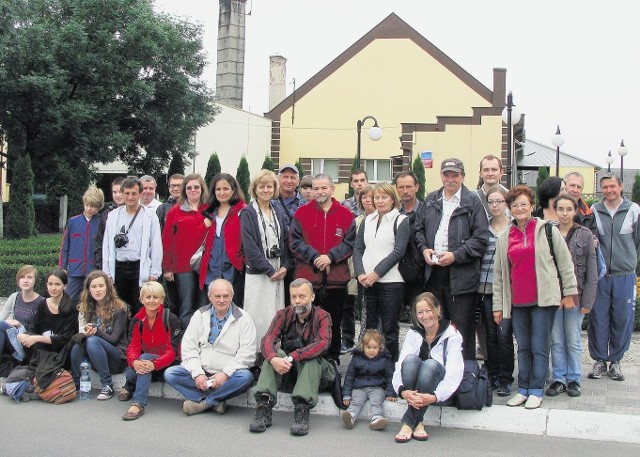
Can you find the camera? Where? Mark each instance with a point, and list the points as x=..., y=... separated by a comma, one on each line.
x=291, y=344
x=121, y=240
x=273, y=252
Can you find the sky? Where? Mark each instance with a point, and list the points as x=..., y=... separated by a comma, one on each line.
x=572, y=64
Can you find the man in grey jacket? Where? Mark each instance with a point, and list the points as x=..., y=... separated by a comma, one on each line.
x=611, y=319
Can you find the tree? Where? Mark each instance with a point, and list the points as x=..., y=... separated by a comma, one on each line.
x=213, y=168
x=543, y=173
x=21, y=217
x=354, y=166
x=243, y=177
x=418, y=170
x=176, y=167
x=268, y=163
x=87, y=81
x=635, y=190
x=300, y=168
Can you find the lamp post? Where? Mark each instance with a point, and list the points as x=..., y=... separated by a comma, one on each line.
x=622, y=151
x=609, y=161
x=557, y=141
x=375, y=133
x=510, y=117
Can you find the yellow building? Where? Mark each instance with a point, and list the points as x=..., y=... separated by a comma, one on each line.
x=424, y=102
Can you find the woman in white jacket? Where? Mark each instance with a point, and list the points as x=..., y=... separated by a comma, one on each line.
x=430, y=366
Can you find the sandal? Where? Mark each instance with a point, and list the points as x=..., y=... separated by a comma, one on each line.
x=124, y=394
x=404, y=435
x=131, y=415
x=420, y=434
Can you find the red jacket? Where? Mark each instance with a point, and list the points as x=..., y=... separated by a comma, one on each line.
x=154, y=340
x=232, y=241
x=314, y=233
x=181, y=237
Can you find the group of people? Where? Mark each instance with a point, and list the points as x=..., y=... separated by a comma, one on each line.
x=266, y=292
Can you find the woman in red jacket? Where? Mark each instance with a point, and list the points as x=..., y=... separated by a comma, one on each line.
x=222, y=256
x=155, y=336
x=183, y=233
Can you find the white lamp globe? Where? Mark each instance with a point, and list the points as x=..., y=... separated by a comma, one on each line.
x=375, y=133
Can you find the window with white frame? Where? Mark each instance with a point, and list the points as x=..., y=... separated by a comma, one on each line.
x=378, y=170
x=327, y=166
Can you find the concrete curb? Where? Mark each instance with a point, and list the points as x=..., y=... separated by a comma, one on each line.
x=545, y=422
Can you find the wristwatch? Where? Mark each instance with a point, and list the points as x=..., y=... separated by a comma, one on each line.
x=290, y=359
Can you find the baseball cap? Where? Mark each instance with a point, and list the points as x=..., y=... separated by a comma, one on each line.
x=452, y=165
x=289, y=167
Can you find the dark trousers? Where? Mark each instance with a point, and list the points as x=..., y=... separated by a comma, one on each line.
x=411, y=292
x=499, y=358
x=333, y=305
x=458, y=308
x=349, y=320
x=384, y=302
x=127, y=284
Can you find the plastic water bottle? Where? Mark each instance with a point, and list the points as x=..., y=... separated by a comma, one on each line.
x=85, y=380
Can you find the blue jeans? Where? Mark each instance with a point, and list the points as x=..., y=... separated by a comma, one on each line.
x=532, y=326
x=611, y=319
x=423, y=376
x=9, y=337
x=384, y=303
x=74, y=288
x=566, y=346
x=500, y=356
x=104, y=357
x=139, y=382
x=190, y=296
x=180, y=379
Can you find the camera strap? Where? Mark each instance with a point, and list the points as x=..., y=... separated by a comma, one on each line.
x=273, y=226
x=132, y=220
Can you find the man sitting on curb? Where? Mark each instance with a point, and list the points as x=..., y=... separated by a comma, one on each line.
x=218, y=348
x=303, y=333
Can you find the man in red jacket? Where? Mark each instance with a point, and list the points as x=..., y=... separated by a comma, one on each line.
x=321, y=237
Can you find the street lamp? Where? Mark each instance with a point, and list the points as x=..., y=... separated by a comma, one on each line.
x=622, y=151
x=557, y=141
x=375, y=133
x=510, y=117
x=609, y=161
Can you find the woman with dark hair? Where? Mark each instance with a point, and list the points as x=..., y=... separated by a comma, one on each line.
x=222, y=256
x=183, y=233
x=430, y=367
x=530, y=281
x=56, y=318
x=547, y=192
x=103, y=321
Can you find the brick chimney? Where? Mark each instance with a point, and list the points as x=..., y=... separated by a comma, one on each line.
x=277, y=80
x=230, y=68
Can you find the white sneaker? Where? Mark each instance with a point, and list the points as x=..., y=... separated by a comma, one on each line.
x=517, y=400
x=347, y=419
x=379, y=423
x=533, y=402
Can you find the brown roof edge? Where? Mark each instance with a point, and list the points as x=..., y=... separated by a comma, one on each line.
x=443, y=121
x=392, y=27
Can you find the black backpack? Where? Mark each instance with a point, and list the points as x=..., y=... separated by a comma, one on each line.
x=474, y=391
x=411, y=265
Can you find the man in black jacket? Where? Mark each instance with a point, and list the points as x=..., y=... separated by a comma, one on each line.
x=452, y=234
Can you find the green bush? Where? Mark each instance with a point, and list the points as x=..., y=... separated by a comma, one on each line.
x=41, y=251
x=243, y=177
x=21, y=215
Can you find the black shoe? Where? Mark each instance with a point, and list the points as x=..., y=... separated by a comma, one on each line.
x=300, y=426
x=495, y=383
x=263, y=417
x=344, y=349
x=504, y=390
x=573, y=389
x=555, y=388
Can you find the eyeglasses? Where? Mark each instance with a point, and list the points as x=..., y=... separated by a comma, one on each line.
x=495, y=202
x=190, y=188
x=520, y=205
x=175, y=185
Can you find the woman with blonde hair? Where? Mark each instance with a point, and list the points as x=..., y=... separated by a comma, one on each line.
x=183, y=233
x=103, y=320
x=264, y=238
x=380, y=244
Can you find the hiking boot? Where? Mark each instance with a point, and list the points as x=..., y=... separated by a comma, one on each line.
x=262, y=419
x=106, y=393
x=195, y=407
x=573, y=389
x=599, y=368
x=555, y=388
x=615, y=373
x=300, y=425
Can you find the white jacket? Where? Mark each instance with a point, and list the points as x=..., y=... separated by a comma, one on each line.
x=454, y=367
x=151, y=250
x=234, y=349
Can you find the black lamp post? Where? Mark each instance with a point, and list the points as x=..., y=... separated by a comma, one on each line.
x=622, y=151
x=609, y=161
x=557, y=141
x=510, y=117
x=375, y=133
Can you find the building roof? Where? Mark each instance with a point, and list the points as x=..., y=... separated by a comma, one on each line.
x=540, y=155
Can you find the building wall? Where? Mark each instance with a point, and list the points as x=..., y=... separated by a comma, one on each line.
x=395, y=81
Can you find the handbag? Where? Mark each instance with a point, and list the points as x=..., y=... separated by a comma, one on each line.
x=61, y=389
x=196, y=258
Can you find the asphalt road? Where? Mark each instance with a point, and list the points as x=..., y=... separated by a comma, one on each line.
x=92, y=428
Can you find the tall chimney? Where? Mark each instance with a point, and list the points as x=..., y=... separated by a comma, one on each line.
x=277, y=80
x=230, y=69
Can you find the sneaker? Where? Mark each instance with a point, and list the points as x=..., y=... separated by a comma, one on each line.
x=347, y=419
x=615, y=373
x=195, y=407
x=555, y=388
x=517, y=400
x=378, y=423
x=533, y=402
x=495, y=383
x=504, y=390
x=599, y=368
x=221, y=407
x=344, y=349
x=106, y=393
x=573, y=389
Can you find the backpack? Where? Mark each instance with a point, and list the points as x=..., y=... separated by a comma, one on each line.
x=411, y=265
x=474, y=391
